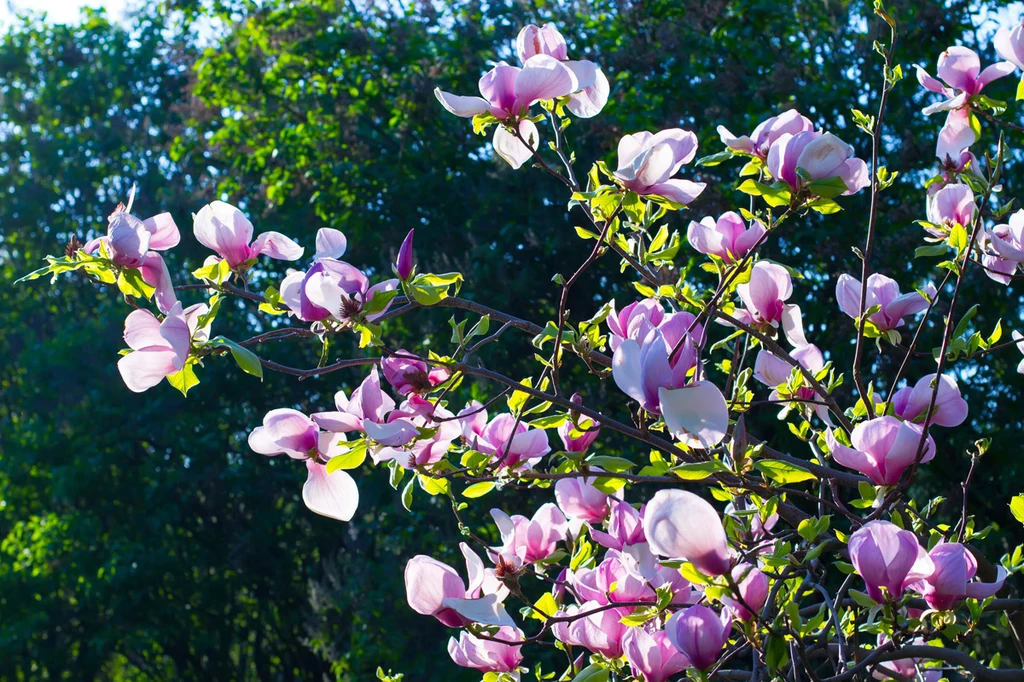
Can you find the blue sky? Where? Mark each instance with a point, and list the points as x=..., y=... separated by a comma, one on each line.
x=61, y=11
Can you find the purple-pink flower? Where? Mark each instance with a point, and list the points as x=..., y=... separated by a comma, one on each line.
x=408, y=374
x=600, y=631
x=945, y=577
x=526, y=541
x=729, y=238
x=884, y=292
x=911, y=403
x=883, y=448
x=580, y=500
x=681, y=525
x=883, y=555
x=952, y=205
x=625, y=526
x=960, y=69
x=635, y=321
x=509, y=441
x=648, y=161
x=486, y=655
x=225, y=229
x=433, y=588
x=766, y=133
x=592, y=85
x=753, y=591
x=821, y=156
x=159, y=348
x=1009, y=43
x=652, y=655
x=700, y=634
x=578, y=432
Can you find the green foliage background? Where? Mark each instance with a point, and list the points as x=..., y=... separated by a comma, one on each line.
x=139, y=538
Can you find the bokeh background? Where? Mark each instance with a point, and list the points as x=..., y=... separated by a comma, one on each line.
x=139, y=538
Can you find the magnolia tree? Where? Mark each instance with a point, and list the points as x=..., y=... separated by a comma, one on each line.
x=746, y=562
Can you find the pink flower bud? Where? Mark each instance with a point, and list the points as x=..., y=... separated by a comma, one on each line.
x=883, y=555
x=652, y=655
x=403, y=267
x=587, y=428
x=679, y=524
x=753, y=586
x=486, y=655
x=700, y=634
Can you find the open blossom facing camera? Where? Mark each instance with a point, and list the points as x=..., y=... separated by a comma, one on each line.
x=648, y=161
x=729, y=238
x=159, y=347
x=952, y=205
x=225, y=229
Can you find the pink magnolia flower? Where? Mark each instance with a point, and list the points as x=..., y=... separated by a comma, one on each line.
x=883, y=448
x=999, y=240
x=433, y=588
x=952, y=205
x=133, y=243
x=728, y=237
x=512, y=445
x=341, y=290
x=912, y=404
x=404, y=264
x=679, y=524
x=600, y=631
x=223, y=228
x=951, y=168
x=486, y=655
x=368, y=410
x=1009, y=43
x=159, y=348
x=882, y=291
x=586, y=428
x=652, y=655
x=753, y=586
x=580, y=500
x=625, y=526
x=635, y=321
x=960, y=69
x=290, y=432
x=616, y=579
x=766, y=133
x=906, y=667
x=883, y=555
x=526, y=541
x=508, y=93
x=411, y=375
x=700, y=634
x=764, y=296
x=821, y=156
x=945, y=577
x=773, y=371
x=648, y=161
x=421, y=414
x=593, y=88
x=331, y=245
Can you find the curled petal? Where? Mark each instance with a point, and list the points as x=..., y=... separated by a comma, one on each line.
x=333, y=495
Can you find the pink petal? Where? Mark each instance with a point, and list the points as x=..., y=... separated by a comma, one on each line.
x=142, y=329
x=679, y=524
x=543, y=77
x=508, y=146
x=956, y=135
x=145, y=368
x=163, y=233
x=590, y=100
x=276, y=245
x=395, y=434
x=223, y=228
x=959, y=66
x=333, y=495
x=697, y=415
x=462, y=106
x=154, y=273
x=994, y=72
x=330, y=243
x=679, y=191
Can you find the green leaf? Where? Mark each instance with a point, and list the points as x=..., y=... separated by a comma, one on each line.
x=610, y=463
x=352, y=459
x=130, y=283
x=930, y=250
x=829, y=188
x=433, y=485
x=715, y=159
x=217, y=272
x=958, y=238
x=783, y=473
x=245, y=358
x=544, y=607
x=592, y=673
x=1020, y=89
x=698, y=471
x=380, y=301
x=407, y=495
x=478, y=489
x=273, y=304
x=824, y=206
x=429, y=289
x=186, y=378
x=1017, y=507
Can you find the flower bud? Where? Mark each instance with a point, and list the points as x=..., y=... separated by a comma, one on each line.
x=403, y=267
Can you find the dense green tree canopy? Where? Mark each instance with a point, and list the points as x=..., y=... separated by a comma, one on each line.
x=139, y=537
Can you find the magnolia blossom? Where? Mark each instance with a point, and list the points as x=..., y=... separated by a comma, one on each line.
x=648, y=161
x=960, y=70
x=580, y=500
x=625, y=526
x=951, y=168
x=764, y=298
x=883, y=448
x=907, y=667
x=433, y=588
x=486, y=655
x=578, y=432
x=753, y=591
x=290, y=432
x=593, y=88
x=404, y=264
x=700, y=634
x=1009, y=43
x=340, y=289
x=422, y=415
x=912, y=404
x=408, y=374
x=159, y=348
x=134, y=243
x=331, y=245
x=508, y=93
x=600, y=631
x=773, y=371
x=223, y=228
x=952, y=205
x=616, y=579
x=679, y=524
x=525, y=541
x=728, y=237
x=883, y=555
x=766, y=133
x=652, y=655
x=821, y=156
x=510, y=443
x=884, y=292
x=635, y=321
x=1007, y=243
x=943, y=576
x=368, y=410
